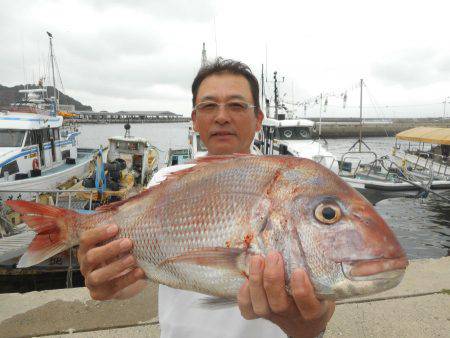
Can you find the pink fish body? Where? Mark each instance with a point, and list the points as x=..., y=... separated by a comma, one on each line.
x=198, y=228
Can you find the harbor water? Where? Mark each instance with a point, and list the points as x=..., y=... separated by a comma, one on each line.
x=422, y=226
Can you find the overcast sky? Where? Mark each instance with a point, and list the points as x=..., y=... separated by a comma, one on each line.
x=143, y=54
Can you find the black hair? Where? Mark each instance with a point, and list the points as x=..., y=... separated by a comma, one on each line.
x=221, y=65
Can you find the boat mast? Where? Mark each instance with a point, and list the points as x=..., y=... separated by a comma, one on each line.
x=50, y=36
x=360, y=141
x=275, y=92
x=360, y=115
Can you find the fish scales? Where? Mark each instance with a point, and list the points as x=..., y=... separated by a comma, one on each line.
x=216, y=210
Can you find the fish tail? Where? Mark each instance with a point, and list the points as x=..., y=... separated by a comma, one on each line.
x=55, y=230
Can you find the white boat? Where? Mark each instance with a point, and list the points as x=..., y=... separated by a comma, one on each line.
x=283, y=134
x=293, y=137
x=36, y=152
x=140, y=157
x=428, y=151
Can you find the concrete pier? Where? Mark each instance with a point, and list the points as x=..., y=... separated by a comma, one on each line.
x=418, y=307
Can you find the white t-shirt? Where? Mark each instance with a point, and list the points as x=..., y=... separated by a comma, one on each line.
x=182, y=316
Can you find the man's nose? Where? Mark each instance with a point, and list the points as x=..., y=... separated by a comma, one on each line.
x=222, y=116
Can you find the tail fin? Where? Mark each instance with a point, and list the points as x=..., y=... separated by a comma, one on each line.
x=55, y=229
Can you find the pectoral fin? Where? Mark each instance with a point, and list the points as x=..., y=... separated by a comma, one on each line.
x=226, y=258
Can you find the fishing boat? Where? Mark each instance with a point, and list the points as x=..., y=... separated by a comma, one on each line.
x=37, y=151
x=389, y=176
x=427, y=151
x=39, y=154
x=130, y=164
x=283, y=134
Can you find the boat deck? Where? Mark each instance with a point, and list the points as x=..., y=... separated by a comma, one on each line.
x=83, y=157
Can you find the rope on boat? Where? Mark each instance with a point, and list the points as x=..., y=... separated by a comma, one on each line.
x=69, y=281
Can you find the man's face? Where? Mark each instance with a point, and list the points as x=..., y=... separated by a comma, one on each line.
x=226, y=132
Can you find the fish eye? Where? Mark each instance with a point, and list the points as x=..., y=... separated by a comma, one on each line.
x=327, y=213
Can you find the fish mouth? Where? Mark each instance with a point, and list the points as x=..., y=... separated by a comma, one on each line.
x=375, y=269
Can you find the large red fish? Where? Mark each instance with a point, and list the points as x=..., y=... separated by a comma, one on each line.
x=198, y=228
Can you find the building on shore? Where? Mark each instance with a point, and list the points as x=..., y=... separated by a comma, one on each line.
x=128, y=116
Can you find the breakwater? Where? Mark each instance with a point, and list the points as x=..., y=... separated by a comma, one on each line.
x=329, y=127
x=338, y=128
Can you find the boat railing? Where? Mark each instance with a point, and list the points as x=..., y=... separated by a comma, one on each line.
x=321, y=159
x=435, y=163
x=350, y=155
x=68, y=199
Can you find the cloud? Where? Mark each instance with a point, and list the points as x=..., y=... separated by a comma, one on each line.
x=414, y=68
x=186, y=10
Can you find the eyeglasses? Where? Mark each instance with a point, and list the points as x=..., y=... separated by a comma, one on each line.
x=233, y=107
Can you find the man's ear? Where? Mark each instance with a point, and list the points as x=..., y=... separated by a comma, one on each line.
x=194, y=119
x=259, y=119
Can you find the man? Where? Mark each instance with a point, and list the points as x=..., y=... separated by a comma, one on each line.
x=226, y=114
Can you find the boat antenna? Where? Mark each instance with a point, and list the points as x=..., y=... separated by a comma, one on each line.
x=215, y=35
x=263, y=93
x=275, y=93
x=204, y=58
x=25, y=85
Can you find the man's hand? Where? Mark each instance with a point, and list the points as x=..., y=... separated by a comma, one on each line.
x=106, y=275
x=264, y=296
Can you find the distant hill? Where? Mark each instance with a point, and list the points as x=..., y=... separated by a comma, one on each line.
x=10, y=95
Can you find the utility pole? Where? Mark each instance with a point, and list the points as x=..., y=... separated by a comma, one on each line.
x=445, y=103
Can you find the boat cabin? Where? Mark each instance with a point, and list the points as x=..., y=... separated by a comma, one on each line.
x=140, y=156
x=31, y=143
x=427, y=142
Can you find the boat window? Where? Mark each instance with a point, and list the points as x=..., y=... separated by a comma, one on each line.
x=45, y=135
x=200, y=144
x=293, y=133
x=34, y=136
x=11, y=168
x=55, y=133
x=11, y=137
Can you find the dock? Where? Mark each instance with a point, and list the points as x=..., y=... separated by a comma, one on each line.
x=418, y=307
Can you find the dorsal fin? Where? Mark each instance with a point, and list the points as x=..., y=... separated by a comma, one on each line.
x=219, y=158
x=115, y=205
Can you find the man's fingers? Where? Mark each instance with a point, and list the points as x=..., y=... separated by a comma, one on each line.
x=245, y=302
x=108, y=272
x=303, y=293
x=126, y=280
x=257, y=293
x=108, y=252
x=274, y=285
x=92, y=237
x=109, y=290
